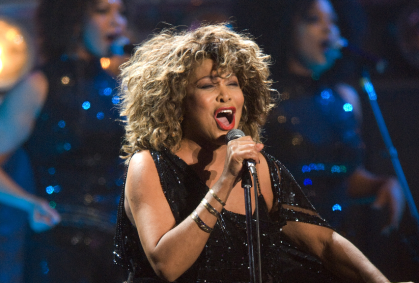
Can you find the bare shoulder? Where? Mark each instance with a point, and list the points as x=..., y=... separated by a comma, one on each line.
x=20, y=108
x=145, y=202
x=141, y=159
x=33, y=88
x=30, y=92
x=143, y=182
x=38, y=81
x=141, y=171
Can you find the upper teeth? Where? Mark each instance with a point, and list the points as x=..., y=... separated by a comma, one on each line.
x=226, y=111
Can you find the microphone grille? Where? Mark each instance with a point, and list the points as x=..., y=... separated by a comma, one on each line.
x=234, y=134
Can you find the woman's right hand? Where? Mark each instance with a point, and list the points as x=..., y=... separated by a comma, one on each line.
x=238, y=150
x=42, y=217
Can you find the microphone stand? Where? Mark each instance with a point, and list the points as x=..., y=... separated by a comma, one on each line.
x=369, y=89
x=246, y=185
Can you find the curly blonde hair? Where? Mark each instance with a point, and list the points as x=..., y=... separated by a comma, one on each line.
x=154, y=82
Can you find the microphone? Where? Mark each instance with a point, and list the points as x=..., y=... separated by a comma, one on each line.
x=246, y=185
x=380, y=64
x=128, y=48
x=235, y=134
x=121, y=46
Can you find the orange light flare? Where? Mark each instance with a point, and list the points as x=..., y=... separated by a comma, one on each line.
x=15, y=57
x=105, y=62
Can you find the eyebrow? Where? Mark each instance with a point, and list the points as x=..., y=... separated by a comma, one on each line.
x=217, y=76
x=203, y=78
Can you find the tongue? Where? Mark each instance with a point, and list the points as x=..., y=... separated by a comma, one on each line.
x=223, y=120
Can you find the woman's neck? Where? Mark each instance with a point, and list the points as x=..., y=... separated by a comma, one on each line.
x=206, y=161
x=206, y=155
x=83, y=54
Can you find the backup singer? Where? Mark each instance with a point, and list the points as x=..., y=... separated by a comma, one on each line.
x=64, y=112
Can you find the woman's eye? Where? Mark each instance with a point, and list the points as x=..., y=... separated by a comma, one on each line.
x=311, y=19
x=206, y=86
x=101, y=10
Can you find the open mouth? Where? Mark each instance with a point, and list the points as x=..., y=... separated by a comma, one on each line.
x=111, y=38
x=225, y=118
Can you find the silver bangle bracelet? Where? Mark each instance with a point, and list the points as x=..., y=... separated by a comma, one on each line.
x=210, y=208
x=216, y=197
x=201, y=224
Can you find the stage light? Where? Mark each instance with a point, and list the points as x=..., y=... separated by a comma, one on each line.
x=16, y=54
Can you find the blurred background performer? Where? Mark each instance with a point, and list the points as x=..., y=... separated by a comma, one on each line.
x=316, y=129
x=17, y=205
x=16, y=208
x=63, y=113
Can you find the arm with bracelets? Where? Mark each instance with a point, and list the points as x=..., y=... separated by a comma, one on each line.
x=170, y=248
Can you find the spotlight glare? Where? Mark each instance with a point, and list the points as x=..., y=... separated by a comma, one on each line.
x=16, y=59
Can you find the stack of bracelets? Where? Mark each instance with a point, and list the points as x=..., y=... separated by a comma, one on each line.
x=201, y=224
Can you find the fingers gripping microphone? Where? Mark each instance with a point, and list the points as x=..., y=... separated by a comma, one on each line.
x=235, y=134
x=247, y=184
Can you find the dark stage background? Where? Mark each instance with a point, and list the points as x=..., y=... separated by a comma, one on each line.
x=373, y=25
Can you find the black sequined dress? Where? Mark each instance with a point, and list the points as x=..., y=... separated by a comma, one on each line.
x=14, y=222
x=225, y=256
x=74, y=150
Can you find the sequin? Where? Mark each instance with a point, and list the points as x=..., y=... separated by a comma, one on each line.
x=67, y=146
x=326, y=94
x=347, y=107
x=86, y=105
x=115, y=99
x=57, y=189
x=65, y=80
x=44, y=266
x=61, y=124
x=100, y=115
x=308, y=182
x=282, y=119
x=49, y=189
x=107, y=91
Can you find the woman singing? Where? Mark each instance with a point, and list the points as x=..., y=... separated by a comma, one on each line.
x=182, y=212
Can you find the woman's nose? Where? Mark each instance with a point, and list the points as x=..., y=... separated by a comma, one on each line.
x=224, y=95
x=118, y=20
x=327, y=26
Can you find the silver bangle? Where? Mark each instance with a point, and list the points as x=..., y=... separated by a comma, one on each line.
x=216, y=197
x=210, y=208
x=201, y=224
